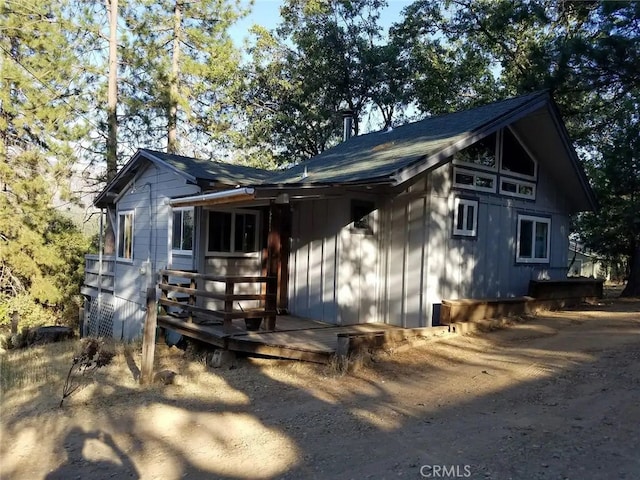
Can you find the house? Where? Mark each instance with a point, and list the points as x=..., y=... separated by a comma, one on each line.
x=380, y=228
x=583, y=263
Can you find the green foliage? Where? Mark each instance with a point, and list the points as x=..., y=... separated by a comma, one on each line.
x=178, y=55
x=325, y=56
x=30, y=313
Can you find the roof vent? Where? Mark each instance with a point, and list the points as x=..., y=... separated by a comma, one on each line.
x=347, y=124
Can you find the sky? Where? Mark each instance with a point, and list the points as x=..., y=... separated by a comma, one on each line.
x=267, y=14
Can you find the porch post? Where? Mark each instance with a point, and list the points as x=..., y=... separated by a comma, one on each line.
x=278, y=250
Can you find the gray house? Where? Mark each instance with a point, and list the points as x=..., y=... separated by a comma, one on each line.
x=380, y=228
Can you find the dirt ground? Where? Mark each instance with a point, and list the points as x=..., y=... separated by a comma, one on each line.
x=554, y=397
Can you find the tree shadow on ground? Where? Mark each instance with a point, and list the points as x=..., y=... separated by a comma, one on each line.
x=569, y=408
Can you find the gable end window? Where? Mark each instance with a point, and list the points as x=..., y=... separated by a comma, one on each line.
x=473, y=180
x=125, y=235
x=481, y=154
x=515, y=159
x=533, y=239
x=233, y=232
x=182, y=234
x=465, y=217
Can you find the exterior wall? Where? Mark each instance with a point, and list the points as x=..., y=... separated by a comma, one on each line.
x=400, y=274
x=148, y=198
x=426, y=263
x=333, y=268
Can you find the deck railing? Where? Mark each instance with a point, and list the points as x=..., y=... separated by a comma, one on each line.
x=189, y=286
x=97, y=275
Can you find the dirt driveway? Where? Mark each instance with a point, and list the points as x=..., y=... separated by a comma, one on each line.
x=555, y=397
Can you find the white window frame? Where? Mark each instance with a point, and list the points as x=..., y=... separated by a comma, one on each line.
x=464, y=232
x=125, y=213
x=535, y=221
x=176, y=251
x=517, y=183
x=233, y=253
x=475, y=175
x=531, y=156
x=498, y=148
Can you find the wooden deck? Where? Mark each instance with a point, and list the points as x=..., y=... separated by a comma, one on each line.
x=294, y=337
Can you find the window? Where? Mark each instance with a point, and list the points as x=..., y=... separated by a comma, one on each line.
x=232, y=232
x=515, y=158
x=533, y=239
x=517, y=188
x=360, y=210
x=481, y=154
x=471, y=180
x=465, y=217
x=182, y=238
x=125, y=235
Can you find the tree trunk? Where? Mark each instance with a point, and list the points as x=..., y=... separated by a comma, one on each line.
x=112, y=118
x=633, y=283
x=172, y=107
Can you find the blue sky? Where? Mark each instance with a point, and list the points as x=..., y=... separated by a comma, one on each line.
x=267, y=14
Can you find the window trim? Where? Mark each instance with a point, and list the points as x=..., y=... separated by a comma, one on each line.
x=124, y=213
x=233, y=253
x=517, y=182
x=475, y=174
x=467, y=202
x=510, y=173
x=535, y=220
x=176, y=251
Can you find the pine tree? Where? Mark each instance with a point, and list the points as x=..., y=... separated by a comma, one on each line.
x=179, y=62
x=41, y=116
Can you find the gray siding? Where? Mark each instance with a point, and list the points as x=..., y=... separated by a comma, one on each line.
x=401, y=274
x=148, y=198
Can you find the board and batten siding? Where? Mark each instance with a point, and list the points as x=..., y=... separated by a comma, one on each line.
x=401, y=273
x=148, y=197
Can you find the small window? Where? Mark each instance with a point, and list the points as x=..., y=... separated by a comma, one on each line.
x=517, y=188
x=182, y=238
x=534, y=235
x=515, y=158
x=125, y=235
x=465, y=217
x=232, y=232
x=360, y=210
x=481, y=154
x=471, y=180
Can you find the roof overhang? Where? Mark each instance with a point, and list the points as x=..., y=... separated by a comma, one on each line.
x=435, y=160
x=140, y=160
x=545, y=129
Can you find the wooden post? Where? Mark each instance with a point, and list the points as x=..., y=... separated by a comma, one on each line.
x=270, y=303
x=149, y=338
x=228, y=304
x=192, y=297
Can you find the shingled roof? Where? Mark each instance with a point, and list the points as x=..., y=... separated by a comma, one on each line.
x=391, y=157
x=381, y=155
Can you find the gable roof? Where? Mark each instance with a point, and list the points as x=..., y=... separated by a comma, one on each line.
x=393, y=157
x=194, y=170
x=384, y=155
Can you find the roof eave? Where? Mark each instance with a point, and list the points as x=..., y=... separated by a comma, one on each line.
x=430, y=162
x=105, y=197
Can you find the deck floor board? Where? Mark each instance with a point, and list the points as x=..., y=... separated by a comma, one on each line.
x=292, y=338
